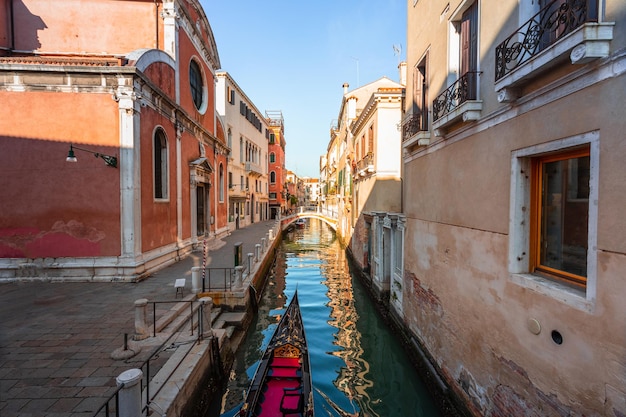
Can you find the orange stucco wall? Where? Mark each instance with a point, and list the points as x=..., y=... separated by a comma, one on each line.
x=47, y=26
x=66, y=215
x=162, y=75
x=5, y=28
x=158, y=217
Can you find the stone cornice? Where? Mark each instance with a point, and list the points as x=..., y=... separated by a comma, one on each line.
x=76, y=61
x=389, y=94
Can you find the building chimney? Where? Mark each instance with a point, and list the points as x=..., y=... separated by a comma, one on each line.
x=352, y=108
x=402, y=69
x=345, y=88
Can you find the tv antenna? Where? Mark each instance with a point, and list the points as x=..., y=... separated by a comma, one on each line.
x=397, y=51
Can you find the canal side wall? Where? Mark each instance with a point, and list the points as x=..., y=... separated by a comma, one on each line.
x=447, y=399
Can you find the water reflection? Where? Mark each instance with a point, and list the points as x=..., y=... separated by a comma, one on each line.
x=358, y=366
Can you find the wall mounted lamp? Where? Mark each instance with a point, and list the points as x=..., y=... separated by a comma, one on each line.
x=109, y=160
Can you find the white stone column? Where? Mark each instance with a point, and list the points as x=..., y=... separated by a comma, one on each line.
x=130, y=184
x=238, y=278
x=130, y=394
x=206, y=305
x=141, y=328
x=250, y=262
x=196, y=279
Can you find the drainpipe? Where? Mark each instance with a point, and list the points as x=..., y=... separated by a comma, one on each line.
x=12, y=18
x=156, y=24
x=401, y=194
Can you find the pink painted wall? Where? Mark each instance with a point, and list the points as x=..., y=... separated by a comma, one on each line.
x=50, y=207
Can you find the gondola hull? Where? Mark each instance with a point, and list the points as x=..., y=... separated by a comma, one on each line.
x=282, y=383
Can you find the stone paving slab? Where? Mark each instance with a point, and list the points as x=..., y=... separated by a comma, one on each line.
x=56, y=339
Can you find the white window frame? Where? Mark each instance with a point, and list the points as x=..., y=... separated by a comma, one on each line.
x=205, y=92
x=520, y=224
x=165, y=163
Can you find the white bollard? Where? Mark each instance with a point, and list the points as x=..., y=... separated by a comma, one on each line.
x=257, y=252
x=263, y=244
x=270, y=233
x=250, y=262
x=130, y=394
x=238, y=277
x=141, y=328
x=196, y=279
x=207, y=305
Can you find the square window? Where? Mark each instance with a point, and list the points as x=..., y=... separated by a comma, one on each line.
x=553, y=218
x=560, y=215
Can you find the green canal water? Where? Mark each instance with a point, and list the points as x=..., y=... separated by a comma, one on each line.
x=358, y=365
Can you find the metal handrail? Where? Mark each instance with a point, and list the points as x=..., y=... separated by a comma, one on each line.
x=228, y=274
x=146, y=363
x=105, y=406
x=556, y=20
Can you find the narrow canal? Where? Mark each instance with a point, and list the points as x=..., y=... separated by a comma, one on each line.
x=358, y=365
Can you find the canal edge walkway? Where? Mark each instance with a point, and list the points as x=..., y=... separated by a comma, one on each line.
x=56, y=339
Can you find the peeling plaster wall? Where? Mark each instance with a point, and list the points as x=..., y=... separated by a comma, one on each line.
x=465, y=307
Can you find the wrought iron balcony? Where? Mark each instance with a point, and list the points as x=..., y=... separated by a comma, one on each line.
x=552, y=23
x=411, y=126
x=464, y=89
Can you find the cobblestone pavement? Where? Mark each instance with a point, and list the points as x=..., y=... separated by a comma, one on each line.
x=56, y=339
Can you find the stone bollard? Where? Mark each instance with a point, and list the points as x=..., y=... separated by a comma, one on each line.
x=130, y=394
x=238, y=277
x=206, y=304
x=270, y=234
x=263, y=244
x=196, y=279
x=257, y=252
x=141, y=328
x=250, y=262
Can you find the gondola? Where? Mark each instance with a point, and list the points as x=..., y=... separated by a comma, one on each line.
x=282, y=386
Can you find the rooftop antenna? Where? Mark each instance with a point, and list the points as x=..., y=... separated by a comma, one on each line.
x=397, y=51
x=357, y=70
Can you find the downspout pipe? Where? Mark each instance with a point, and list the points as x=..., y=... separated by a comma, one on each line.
x=156, y=24
x=12, y=23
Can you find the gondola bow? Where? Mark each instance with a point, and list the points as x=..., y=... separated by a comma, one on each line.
x=282, y=383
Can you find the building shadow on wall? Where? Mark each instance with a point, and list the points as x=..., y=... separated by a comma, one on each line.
x=25, y=27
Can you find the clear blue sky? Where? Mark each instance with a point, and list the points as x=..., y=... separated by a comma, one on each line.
x=295, y=56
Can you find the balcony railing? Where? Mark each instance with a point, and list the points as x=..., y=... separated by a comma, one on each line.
x=252, y=168
x=365, y=165
x=462, y=90
x=415, y=123
x=553, y=22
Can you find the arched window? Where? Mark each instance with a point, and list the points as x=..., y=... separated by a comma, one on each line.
x=196, y=84
x=272, y=177
x=221, y=182
x=272, y=157
x=160, y=164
